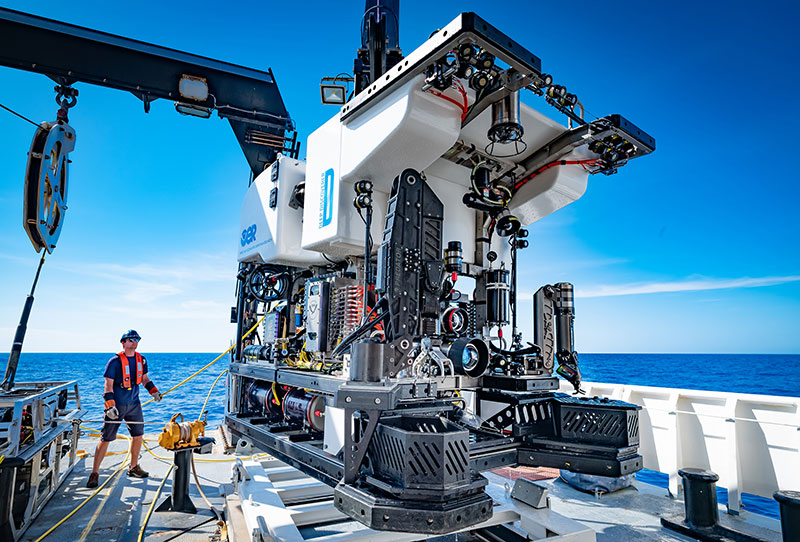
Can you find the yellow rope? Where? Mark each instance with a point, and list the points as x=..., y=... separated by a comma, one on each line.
x=153, y=503
x=87, y=499
x=254, y=456
x=187, y=379
x=125, y=460
x=209, y=393
x=88, y=529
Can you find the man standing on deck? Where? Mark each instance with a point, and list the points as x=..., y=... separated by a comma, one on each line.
x=124, y=373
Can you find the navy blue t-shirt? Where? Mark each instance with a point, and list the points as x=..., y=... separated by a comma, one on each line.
x=124, y=396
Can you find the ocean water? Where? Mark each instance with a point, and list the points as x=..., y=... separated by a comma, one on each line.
x=165, y=370
x=741, y=373
x=763, y=374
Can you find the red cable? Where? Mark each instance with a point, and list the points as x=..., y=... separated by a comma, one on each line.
x=451, y=100
x=459, y=87
x=552, y=164
x=464, y=107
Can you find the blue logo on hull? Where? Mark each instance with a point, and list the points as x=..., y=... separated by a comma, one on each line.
x=326, y=202
x=248, y=235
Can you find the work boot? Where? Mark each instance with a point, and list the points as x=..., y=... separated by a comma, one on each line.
x=94, y=478
x=138, y=472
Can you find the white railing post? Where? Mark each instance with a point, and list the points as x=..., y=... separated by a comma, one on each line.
x=674, y=429
x=734, y=460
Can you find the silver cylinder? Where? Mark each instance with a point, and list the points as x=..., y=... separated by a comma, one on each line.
x=506, y=127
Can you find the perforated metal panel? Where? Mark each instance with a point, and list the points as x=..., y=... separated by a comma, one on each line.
x=616, y=424
x=422, y=453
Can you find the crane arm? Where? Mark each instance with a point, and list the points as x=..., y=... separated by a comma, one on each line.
x=67, y=53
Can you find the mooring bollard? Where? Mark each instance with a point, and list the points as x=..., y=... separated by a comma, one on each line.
x=700, y=496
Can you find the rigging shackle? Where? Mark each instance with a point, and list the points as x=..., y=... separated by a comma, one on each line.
x=66, y=98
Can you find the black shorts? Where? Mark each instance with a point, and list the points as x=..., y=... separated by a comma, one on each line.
x=129, y=413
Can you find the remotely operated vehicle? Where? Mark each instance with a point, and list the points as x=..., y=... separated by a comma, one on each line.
x=389, y=363
x=381, y=271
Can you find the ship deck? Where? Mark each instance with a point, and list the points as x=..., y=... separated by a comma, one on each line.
x=119, y=510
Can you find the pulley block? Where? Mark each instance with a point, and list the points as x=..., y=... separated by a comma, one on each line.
x=46, y=177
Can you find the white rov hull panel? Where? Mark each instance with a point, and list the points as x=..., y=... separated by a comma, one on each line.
x=407, y=129
x=269, y=227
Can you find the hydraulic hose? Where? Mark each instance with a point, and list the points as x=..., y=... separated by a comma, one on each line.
x=87, y=499
x=187, y=379
x=152, y=504
x=521, y=352
x=200, y=489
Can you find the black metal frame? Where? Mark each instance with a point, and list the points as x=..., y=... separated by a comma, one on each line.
x=466, y=27
x=549, y=438
x=67, y=53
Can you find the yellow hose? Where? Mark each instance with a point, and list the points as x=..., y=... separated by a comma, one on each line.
x=125, y=460
x=152, y=504
x=275, y=394
x=87, y=499
x=187, y=379
x=209, y=393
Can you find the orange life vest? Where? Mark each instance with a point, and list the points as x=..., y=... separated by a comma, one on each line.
x=126, y=369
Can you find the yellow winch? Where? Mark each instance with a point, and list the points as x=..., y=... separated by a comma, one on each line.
x=181, y=434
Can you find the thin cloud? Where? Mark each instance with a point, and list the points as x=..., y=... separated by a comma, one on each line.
x=544, y=268
x=688, y=285
x=197, y=271
x=209, y=313
x=147, y=283
x=19, y=259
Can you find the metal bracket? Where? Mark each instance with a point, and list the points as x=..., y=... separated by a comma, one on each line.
x=355, y=450
x=530, y=493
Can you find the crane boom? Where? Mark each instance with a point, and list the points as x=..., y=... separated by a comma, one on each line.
x=67, y=53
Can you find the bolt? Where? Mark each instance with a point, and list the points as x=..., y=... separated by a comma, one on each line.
x=377, y=400
x=348, y=399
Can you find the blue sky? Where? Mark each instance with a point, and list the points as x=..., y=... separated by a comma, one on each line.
x=691, y=249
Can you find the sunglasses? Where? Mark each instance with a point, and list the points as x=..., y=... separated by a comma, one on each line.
x=133, y=340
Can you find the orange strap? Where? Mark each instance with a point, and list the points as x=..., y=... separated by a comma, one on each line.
x=126, y=371
x=110, y=403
